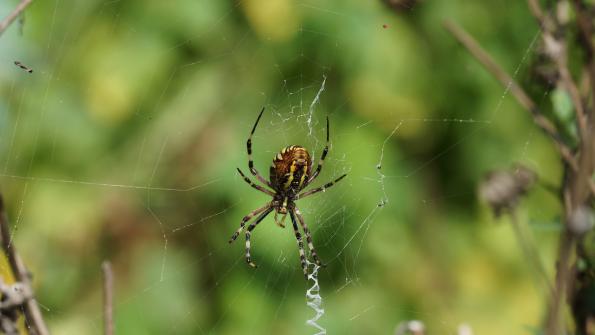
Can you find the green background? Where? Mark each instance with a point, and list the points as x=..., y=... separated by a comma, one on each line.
x=123, y=144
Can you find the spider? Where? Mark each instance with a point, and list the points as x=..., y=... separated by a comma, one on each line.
x=290, y=173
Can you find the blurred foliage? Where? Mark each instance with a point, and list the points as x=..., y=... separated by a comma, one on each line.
x=123, y=145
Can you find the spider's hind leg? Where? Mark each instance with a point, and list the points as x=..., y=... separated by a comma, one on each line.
x=308, y=238
x=300, y=243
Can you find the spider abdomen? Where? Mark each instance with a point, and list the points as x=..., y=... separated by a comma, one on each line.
x=291, y=169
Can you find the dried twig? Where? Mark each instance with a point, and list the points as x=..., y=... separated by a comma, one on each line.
x=33, y=316
x=563, y=280
x=557, y=50
x=13, y=16
x=586, y=32
x=577, y=185
x=522, y=97
x=517, y=91
x=538, y=13
x=108, y=296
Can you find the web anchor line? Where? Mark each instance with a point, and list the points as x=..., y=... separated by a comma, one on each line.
x=314, y=300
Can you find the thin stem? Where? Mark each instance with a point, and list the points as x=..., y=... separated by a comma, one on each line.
x=530, y=252
x=563, y=279
x=13, y=16
x=33, y=316
x=108, y=296
x=586, y=31
x=572, y=89
x=537, y=12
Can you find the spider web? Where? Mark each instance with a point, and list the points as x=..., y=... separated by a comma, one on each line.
x=153, y=187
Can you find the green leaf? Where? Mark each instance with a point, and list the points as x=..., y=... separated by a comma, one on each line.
x=562, y=103
x=564, y=111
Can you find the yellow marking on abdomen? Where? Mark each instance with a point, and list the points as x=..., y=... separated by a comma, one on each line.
x=305, y=169
x=291, y=172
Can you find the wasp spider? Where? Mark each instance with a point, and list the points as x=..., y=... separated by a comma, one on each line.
x=290, y=173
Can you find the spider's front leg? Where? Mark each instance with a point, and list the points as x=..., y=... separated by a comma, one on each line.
x=254, y=185
x=319, y=189
x=249, y=149
x=324, y=153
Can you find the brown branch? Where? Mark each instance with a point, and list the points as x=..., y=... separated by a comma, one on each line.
x=517, y=91
x=586, y=32
x=578, y=168
x=579, y=182
x=108, y=296
x=537, y=12
x=33, y=316
x=15, y=13
x=577, y=185
x=563, y=281
x=557, y=51
x=572, y=89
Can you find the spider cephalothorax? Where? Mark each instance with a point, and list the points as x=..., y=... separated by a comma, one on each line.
x=290, y=173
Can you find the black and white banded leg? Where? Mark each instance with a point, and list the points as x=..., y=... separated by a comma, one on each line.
x=249, y=232
x=247, y=218
x=254, y=185
x=249, y=148
x=300, y=243
x=324, y=152
x=308, y=237
x=319, y=189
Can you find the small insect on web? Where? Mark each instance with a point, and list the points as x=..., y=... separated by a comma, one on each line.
x=290, y=173
x=23, y=66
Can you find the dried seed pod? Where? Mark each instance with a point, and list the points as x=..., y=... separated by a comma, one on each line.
x=503, y=189
x=581, y=220
x=413, y=327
